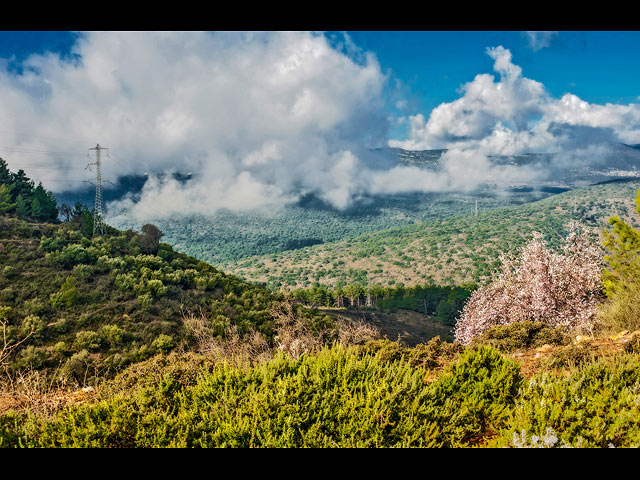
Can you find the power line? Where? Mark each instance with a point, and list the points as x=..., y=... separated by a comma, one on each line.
x=57, y=138
x=33, y=151
x=45, y=166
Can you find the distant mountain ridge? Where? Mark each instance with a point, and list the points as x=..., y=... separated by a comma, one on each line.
x=618, y=161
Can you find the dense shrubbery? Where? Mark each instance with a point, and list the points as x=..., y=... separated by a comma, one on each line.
x=596, y=405
x=521, y=336
x=339, y=397
x=376, y=395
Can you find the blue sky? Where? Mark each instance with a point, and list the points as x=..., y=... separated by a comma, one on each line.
x=598, y=66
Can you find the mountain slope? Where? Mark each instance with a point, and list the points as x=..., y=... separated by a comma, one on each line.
x=450, y=250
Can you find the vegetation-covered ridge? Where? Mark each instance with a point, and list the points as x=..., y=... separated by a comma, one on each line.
x=446, y=251
x=228, y=236
x=84, y=305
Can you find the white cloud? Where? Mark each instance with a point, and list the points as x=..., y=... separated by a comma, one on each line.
x=258, y=117
x=264, y=118
x=515, y=114
x=540, y=40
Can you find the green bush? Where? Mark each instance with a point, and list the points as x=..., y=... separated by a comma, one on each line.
x=67, y=296
x=164, y=343
x=87, y=340
x=522, y=335
x=596, y=405
x=32, y=325
x=71, y=255
x=338, y=397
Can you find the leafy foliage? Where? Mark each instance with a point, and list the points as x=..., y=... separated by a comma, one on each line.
x=521, y=336
x=99, y=304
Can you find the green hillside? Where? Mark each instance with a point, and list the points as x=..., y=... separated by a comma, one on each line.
x=452, y=250
x=228, y=236
x=103, y=302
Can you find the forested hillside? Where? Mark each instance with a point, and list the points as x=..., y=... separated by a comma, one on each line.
x=84, y=305
x=227, y=236
x=448, y=251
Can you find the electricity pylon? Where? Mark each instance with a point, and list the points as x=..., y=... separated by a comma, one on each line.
x=98, y=223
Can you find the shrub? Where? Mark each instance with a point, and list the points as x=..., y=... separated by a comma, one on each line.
x=571, y=355
x=113, y=334
x=474, y=398
x=150, y=239
x=621, y=311
x=87, y=340
x=67, y=296
x=32, y=325
x=521, y=336
x=71, y=255
x=9, y=272
x=164, y=343
x=595, y=405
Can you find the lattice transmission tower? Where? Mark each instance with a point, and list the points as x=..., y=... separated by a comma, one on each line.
x=98, y=222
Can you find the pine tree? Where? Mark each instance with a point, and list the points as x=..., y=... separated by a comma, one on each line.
x=23, y=208
x=623, y=243
x=5, y=199
x=43, y=205
x=22, y=185
x=37, y=210
x=5, y=174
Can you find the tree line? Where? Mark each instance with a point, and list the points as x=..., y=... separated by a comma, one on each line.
x=441, y=302
x=19, y=195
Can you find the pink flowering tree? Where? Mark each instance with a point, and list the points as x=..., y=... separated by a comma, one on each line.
x=560, y=289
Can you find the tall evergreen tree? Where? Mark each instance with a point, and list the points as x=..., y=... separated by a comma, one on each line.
x=22, y=185
x=43, y=205
x=5, y=199
x=23, y=208
x=5, y=174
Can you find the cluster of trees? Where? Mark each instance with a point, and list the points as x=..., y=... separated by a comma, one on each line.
x=19, y=195
x=444, y=303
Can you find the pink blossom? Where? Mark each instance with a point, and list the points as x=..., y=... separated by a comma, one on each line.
x=560, y=289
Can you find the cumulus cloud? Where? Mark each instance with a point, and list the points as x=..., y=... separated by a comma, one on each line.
x=514, y=114
x=258, y=117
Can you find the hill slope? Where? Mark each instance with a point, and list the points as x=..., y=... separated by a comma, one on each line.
x=88, y=305
x=450, y=250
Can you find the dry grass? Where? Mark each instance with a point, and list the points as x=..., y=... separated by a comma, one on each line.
x=621, y=312
x=293, y=335
x=34, y=391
